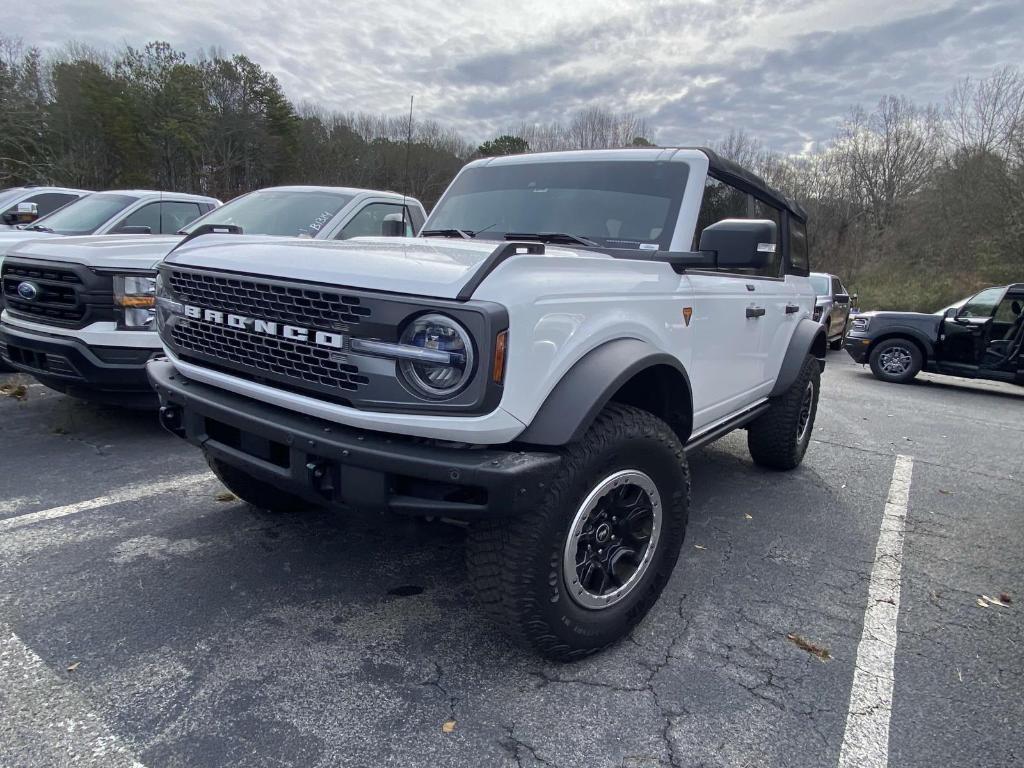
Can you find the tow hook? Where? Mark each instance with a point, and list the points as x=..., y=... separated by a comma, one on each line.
x=320, y=476
x=170, y=419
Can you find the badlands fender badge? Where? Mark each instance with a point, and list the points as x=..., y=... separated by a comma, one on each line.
x=687, y=314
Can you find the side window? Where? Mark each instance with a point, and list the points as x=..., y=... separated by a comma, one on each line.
x=798, y=258
x=48, y=202
x=724, y=201
x=177, y=215
x=146, y=216
x=369, y=222
x=1005, y=311
x=837, y=287
x=982, y=304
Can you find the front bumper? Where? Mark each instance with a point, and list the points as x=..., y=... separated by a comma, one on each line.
x=858, y=347
x=342, y=466
x=114, y=374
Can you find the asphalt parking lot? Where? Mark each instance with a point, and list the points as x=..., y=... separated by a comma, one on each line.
x=146, y=620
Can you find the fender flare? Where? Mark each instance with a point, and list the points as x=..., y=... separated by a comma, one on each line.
x=807, y=339
x=586, y=388
x=927, y=345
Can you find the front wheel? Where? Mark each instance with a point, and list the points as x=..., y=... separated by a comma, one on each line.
x=581, y=570
x=896, y=360
x=778, y=439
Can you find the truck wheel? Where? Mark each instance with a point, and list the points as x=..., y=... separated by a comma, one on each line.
x=896, y=360
x=258, y=493
x=778, y=439
x=578, y=572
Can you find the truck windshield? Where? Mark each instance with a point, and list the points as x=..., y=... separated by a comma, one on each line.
x=84, y=216
x=616, y=203
x=289, y=213
x=821, y=284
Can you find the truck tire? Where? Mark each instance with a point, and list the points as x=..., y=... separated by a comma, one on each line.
x=778, y=439
x=258, y=493
x=897, y=360
x=538, y=575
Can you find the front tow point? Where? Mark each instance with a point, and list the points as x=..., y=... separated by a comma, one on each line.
x=170, y=419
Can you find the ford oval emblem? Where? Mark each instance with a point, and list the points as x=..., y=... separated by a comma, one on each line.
x=28, y=291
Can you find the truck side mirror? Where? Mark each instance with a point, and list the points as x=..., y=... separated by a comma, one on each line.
x=392, y=228
x=23, y=213
x=842, y=298
x=741, y=243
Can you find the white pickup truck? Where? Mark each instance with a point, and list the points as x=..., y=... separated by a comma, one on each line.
x=537, y=364
x=79, y=310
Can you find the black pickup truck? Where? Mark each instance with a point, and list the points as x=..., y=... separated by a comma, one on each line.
x=980, y=339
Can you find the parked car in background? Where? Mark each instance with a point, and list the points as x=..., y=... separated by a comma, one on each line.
x=832, y=307
x=981, y=338
x=80, y=310
x=20, y=206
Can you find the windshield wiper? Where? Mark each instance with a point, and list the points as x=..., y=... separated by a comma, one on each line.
x=465, y=234
x=551, y=237
x=39, y=228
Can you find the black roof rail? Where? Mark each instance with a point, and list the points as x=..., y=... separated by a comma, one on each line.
x=208, y=229
x=488, y=265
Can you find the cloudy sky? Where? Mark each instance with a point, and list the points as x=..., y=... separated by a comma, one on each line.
x=783, y=70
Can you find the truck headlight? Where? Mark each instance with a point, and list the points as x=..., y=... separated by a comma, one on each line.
x=450, y=371
x=135, y=301
x=860, y=324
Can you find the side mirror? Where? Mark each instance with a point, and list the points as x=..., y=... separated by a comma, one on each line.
x=23, y=213
x=392, y=228
x=133, y=230
x=741, y=243
x=842, y=298
x=950, y=313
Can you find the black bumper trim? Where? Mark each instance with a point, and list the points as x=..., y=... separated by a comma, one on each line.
x=71, y=363
x=340, y=466
x=857, y=348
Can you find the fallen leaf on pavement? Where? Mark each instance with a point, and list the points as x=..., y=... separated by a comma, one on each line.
x=748, y=517
x=698, y=546
x=448, y=726
x=17, y=391
x=226, y=496
x=73, y=667
x=806, y=645
x=1005, y=598
x=982, y=603
x=944, y=491
x=994, y=601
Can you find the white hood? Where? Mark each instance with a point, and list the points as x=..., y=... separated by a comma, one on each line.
x=104, y=251
x=413, y=266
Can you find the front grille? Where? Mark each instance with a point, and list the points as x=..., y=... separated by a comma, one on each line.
x=58, y=299
x=302, y=362
x=304, y=306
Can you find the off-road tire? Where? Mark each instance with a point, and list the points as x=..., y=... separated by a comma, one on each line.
x=258, y=493
x=916, y=360
x=516, y=565
x=778, y=439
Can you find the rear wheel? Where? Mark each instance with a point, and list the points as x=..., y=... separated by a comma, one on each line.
x=583, y=568
x=897, y=360
x=258, y=493
x=778, y=439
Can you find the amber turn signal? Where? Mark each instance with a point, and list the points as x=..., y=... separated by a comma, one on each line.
x=500, y=351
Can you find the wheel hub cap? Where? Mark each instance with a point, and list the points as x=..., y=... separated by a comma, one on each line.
x=612, y=539
x=896, y=360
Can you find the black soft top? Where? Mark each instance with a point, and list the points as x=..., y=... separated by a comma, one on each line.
x=740, y=177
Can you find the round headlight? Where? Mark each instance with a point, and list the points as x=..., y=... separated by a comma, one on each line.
x=439, y=378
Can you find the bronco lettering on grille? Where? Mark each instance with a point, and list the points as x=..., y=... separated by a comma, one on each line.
x=265, y=327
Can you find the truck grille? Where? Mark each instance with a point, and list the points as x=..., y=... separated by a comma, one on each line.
x=57, y=301
x=298, y=361
x=297, y=305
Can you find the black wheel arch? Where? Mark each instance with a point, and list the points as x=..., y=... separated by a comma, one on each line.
x=809, y=338
x=629, y=371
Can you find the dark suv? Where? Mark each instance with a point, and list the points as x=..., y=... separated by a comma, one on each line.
x=982, y=339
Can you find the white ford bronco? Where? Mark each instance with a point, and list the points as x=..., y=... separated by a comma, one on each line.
x=536, y=364
x=80, y=312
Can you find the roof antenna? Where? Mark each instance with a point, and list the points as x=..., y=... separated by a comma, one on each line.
x=405, y=186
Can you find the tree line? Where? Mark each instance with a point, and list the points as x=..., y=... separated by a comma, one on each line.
x=913, y=205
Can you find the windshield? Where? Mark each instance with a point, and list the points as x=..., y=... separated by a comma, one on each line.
x=617, y=204
x=288, y=213
x=84, y=216
x=821, y=284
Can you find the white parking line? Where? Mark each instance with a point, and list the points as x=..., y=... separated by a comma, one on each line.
x=131, y=493
x=866, y=739
x=45, y=721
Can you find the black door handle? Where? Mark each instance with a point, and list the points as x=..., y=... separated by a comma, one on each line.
x=755, y=311
x=792, y=308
